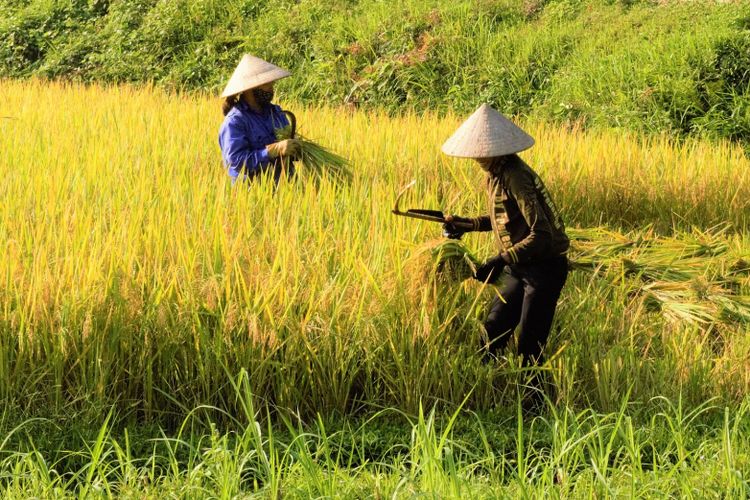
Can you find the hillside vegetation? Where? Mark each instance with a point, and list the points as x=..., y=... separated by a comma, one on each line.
x=674, y=67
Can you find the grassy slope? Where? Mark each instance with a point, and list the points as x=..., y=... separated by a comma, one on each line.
x=639, y=65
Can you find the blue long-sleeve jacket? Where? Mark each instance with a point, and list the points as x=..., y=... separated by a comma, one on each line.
x=243, y=138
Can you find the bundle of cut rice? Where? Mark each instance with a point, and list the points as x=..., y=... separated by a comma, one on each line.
x=444, y=262
x=317, y=159
x=690, y=278
x=453, y=261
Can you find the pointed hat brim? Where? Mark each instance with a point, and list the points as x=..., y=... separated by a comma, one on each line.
x=486, y=134
x=252, y=72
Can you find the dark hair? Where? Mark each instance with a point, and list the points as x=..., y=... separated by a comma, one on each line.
x=229, y=103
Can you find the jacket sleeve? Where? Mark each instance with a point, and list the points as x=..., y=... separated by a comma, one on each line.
x=537, y=242
x=482, y=223
x=236, y=151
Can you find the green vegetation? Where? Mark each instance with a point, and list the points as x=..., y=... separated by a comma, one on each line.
x=653, y=450
x=667, y=66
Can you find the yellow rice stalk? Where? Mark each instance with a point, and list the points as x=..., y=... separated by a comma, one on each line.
x=692, y=278
x=317, y=159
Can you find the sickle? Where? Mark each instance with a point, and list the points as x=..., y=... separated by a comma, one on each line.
x=429, y=215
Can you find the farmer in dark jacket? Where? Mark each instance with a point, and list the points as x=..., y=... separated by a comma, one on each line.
x=530, y=234
x=247, y=137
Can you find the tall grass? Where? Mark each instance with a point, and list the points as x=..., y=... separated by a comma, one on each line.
x=133, y=274
x=677, y=452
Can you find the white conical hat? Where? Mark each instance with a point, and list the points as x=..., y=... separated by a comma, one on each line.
x=252, y=72
x=487, y=134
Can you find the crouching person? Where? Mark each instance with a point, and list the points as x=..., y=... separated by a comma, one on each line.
x=531, y=261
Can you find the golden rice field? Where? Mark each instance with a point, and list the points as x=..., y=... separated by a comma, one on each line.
x=132, y=273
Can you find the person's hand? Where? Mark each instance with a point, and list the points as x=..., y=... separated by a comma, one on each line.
x=490, y=271
x=287, y=147
x=451, y=230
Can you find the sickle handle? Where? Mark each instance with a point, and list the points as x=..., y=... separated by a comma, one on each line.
x=292, y=122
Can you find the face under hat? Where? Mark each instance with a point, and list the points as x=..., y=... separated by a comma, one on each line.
x=252, y=72
x=486, y=134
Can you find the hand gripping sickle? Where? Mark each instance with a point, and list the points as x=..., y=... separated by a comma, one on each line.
x=431, y=215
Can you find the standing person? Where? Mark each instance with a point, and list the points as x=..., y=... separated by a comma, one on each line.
x=530, y=234
x=247, y=136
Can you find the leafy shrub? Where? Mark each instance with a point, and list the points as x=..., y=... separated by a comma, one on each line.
x=27, y=35
x=724, y=89
x=680, y=68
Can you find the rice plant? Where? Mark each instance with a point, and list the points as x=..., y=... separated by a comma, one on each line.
x=315, y=158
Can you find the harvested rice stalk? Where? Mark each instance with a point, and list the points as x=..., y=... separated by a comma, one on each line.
x=453, y=261
x=690, y=278
x=316, y=158
x=443, y=261
x=693, y=279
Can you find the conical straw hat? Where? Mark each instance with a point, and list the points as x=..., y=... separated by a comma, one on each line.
x=487, y=134
x=252, y=72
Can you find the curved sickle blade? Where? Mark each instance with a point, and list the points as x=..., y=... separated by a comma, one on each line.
x=428, y=215
x=401, y=193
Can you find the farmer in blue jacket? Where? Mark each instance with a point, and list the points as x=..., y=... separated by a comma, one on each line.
x=247, y=136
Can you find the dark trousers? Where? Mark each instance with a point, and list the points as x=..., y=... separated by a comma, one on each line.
x=530, y=292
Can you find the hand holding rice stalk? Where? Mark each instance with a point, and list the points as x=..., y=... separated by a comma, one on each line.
x=314, y=157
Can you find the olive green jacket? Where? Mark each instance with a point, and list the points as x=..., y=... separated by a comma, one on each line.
x=522, y=215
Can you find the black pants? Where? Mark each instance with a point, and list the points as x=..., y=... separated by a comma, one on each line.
x=530, y=292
